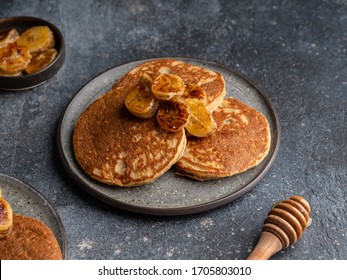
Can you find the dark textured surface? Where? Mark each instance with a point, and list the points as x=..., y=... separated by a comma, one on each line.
x=296, y=51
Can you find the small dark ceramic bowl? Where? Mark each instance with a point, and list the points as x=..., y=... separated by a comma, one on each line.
x=27, y=81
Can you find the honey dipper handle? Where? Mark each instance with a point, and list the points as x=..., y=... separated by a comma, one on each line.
x=267, y=246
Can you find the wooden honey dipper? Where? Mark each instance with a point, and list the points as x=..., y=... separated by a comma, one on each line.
x=283, y=226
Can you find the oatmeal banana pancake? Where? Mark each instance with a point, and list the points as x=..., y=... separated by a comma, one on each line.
x=117, y=148
x=29, y=239
x=240, y=142
x=212, y=82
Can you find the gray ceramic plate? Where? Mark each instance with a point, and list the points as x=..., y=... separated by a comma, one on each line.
x=170, y=194
x=27, y=201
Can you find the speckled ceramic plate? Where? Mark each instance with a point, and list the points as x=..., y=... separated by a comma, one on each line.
x=170, y=194
x=27, y=201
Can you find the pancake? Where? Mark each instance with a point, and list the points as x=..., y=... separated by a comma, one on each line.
x=212, y=82
x=117, y=148
x=29, y=239
x=240, y=142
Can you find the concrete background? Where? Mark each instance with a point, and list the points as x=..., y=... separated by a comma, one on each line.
x=296, y=51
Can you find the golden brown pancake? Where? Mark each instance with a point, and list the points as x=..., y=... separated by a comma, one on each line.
x=29, y=239
x=117, y=148
x=212, y=82
x=240, y=142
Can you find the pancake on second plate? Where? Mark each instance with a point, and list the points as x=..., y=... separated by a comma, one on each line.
x=240, y=142
x=29, y=239
x=117, y=148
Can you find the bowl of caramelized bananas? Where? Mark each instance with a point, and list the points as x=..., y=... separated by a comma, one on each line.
x=32, y=50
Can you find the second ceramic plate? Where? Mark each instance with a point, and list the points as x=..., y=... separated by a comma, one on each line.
x=170, y=194
x=26, y=201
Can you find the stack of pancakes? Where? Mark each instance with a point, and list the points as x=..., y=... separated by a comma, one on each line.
x=117, y=148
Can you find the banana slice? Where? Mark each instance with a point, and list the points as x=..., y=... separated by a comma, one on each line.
x=167, y=86
x=147, y=79
x=14, y=58
x=141, y=103
x=194, y=91
x=201, y=122
x=6, y=217
x=41, y=60
x=9, y=74
x=37, y=38
x=8, y=37
x=173, y=114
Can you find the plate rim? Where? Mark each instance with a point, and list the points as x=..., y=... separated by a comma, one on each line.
x=185, y=210
x=64, y=240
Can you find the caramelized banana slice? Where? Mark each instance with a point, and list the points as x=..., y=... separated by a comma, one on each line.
x=141, y=103
x=8, y=37
x=37, y=38
x=167, y=86
x=6, y=217
x=14, y=58
x=41, y=60
x=173, y=114
x=201, y=122
x=9, y=74
x=147, y=80
x=194, y=91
